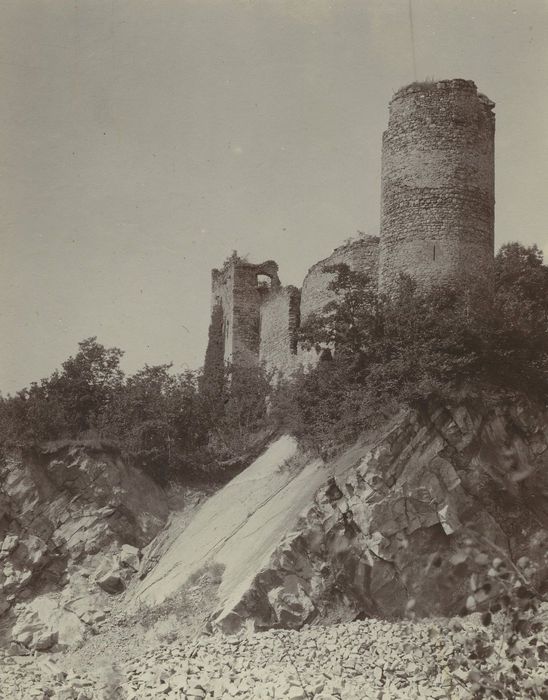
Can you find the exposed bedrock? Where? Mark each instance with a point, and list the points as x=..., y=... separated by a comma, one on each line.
x=369, y=540
x=72, y=522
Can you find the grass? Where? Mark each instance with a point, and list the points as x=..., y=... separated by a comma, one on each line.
x=429, y=83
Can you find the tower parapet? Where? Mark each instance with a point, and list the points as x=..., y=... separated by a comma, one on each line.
x=437, y=201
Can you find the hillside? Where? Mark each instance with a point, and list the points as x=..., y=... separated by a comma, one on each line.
x=296, y=541
x=391, y=528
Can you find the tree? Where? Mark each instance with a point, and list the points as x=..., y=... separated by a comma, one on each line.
x=519, y=324
x=157, y=417
x=420, y=345
x=87, y=383
x=32, y=416
x=238, y=417
x=349, y=322
x=66, y=404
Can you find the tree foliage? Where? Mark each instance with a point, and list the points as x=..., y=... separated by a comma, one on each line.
x=418, y=345
x=170, y=424
x=384, y=353
x=505, y=658
x=157, y=418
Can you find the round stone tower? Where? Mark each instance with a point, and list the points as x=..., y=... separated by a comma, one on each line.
x=437, y=210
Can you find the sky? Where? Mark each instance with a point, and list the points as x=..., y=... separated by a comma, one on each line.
x=143, y=141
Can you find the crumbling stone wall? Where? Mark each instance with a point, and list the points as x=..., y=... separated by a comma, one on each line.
x=360, y=254
x=437, y=225
x=219, y=344
x=212, y=380
x=247, y=296
x=238, y=290
x=254, y=321
x=437, y=212
x=280, y=320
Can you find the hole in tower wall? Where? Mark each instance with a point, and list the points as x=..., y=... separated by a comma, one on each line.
x=264, y=281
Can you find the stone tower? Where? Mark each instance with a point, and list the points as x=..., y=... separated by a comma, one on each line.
x=437, y=202
x=238, y=291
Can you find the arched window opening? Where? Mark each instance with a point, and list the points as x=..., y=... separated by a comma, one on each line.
x=264, y=281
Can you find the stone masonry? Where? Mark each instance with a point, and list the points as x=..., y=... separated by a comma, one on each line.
x=437, y=226
x=280, y=321
x=359, y=254
x=437, y=212
x=238, y=291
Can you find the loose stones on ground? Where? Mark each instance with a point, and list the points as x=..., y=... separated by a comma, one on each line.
x=369, y=660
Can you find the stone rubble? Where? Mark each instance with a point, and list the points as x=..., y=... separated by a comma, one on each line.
x=364, y=660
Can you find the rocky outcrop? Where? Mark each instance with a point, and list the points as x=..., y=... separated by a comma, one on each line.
x=377, y=532
x=236, y=529
x=72, y=521
x=386, y=531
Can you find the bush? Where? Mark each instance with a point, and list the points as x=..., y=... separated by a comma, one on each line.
x=506, y=658
x=379, y=354
x=417, y=346
x=171, y=425
x=239, y=416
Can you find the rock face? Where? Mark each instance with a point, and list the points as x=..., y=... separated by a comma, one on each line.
x=291, y=540
x=236, y=529
x=386, y=530
x=70, y=517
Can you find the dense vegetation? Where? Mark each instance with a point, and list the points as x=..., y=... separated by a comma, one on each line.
x=418, y=346
x=165, y=422
x=389, y=352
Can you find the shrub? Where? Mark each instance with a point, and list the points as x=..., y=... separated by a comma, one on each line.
x=171, y=425
x=503, y=659
x=419, y=345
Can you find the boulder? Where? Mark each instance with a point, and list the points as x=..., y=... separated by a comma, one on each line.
x=9, y=543
x=43, y=623
x=290, y=603
x=129, y=557
x=110, y=577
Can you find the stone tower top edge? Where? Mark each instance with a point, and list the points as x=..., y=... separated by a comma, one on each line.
x=364, y=240
x=450, y=85
x=432, y=85
x=267, y=267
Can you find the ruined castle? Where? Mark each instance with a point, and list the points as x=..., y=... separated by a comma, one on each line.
x=437, y=225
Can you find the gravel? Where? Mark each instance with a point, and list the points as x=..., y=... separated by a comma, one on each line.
x=353, y=661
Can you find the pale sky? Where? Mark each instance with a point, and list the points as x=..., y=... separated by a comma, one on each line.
x=142, y=141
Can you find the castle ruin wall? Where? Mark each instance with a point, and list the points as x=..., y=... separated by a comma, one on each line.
x=219, y=345
x=280, y=320
x=437, y=226
x=248, y=296
x=437, y=211
x=360, y=255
